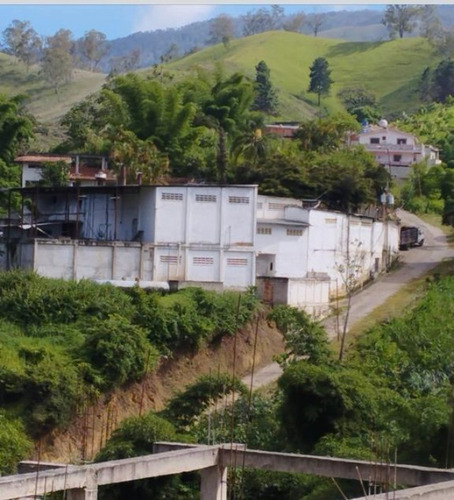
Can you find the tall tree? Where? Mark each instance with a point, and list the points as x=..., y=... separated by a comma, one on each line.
x=22, y=41
x=57, y=61
x=277, y=16
x=443, y=81
x=295, y=22
x=221, y=30
x=265, y=97
x=400, y=19
x=315, y=22
x=94, y=47
x=429, y=23
x=320, y=79
x=257, y=21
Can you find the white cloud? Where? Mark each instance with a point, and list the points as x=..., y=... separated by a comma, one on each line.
x=154, y=17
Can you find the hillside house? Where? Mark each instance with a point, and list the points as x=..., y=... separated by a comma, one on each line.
x=282, y=129
x=301, y=250
x=85, y=170
x=394, y=149
x=150, y=235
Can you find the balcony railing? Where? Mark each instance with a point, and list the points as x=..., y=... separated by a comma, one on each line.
x=394, y=147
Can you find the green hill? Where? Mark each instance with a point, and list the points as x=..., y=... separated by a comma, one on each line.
x=44, y=103
x=389, y=69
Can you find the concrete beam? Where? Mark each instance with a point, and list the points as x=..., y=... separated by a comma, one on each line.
x=234, y=456
x=116, y=471
x=335, y=467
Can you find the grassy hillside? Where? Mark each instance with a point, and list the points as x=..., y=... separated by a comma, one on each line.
x=390, y=69
x=44, y=103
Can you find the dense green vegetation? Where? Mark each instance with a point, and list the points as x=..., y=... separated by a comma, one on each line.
x=62, y=343
x=390, y=397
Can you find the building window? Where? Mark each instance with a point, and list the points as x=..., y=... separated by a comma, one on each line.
x=259, y=205
x=169, y=259
x=207, y=198
x=172, y=196
x=401, y=141
x=276, y=206
x=264, y=230
x=239, y=199
x=397, y=157
x=203, y=261
x=237, y=262
x=294, y=232
x=374, y=140
x=332, y=220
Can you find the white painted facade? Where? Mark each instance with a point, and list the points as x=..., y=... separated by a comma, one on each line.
x=300, y=251
x=395, y=149
x=189, y=234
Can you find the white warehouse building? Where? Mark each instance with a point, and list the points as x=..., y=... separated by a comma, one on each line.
x=216, y=237
x=302, y=252
x=192, y=234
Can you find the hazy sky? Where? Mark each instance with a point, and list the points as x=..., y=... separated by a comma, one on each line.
x=118, y=20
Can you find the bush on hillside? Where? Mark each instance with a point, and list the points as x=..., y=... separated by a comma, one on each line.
x=14, y=444
x=117, y=350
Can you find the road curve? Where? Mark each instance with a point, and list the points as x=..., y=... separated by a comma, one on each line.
x=416, y=262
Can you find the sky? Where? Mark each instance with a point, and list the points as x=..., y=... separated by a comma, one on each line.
x=121, y=19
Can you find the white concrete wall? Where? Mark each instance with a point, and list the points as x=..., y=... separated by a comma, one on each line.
x=311, y=295
x=30, y=174
x=290, y=258
x=98, y=261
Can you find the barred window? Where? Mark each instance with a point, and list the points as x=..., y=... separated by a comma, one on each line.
x=237, y=262
x=276, y=206
x=294, y=232
x=208, y=198
x=170, y=259
x=203, y=261
x=172, y=196
x=264, y=230
x=331, y=221
x=239, y=199
x=259, y=205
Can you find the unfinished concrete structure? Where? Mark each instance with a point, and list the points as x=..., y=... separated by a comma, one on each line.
x=82, y=482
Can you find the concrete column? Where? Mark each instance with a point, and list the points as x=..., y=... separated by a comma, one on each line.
x=214, y=483
x=78, y=494
x=83, y=494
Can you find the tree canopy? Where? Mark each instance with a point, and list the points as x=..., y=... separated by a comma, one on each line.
x=319, y=77
x=400, y=19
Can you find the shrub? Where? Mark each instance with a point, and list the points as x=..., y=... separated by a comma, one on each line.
x=14, y=444
x=118, y=350
x=187, y=405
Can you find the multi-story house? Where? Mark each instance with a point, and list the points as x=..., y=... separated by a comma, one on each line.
x=395, y=149
x=85, y=170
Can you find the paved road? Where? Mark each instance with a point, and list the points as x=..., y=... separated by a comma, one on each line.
x=416, y=262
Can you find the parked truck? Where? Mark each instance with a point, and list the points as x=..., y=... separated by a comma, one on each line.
x=410, y=236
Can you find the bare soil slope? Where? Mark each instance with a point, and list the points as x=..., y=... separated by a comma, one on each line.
x=92, y=425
